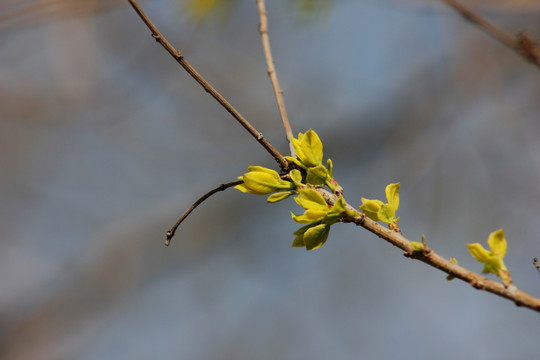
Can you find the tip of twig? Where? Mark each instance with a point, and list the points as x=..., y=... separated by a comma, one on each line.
x=169, y=237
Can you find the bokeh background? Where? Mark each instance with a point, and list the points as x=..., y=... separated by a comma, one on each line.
x=105, y=141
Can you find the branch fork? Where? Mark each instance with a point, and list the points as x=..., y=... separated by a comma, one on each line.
x=523, y=43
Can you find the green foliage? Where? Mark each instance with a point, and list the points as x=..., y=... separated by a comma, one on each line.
x=320, y=214
x=378, y=211
x=493, y=260
x=310, y=175
x=309, y=150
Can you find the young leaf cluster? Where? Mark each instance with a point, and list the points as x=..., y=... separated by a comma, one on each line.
x=493, y=260
x=310, y=175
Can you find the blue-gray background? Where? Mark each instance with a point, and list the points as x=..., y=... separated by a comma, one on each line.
x=105, y=141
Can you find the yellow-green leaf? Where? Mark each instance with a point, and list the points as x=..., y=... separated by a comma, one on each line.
x=316, y=236
x=279, y=196
x=299, y=241
x=387, y=214
x=317, y=175
x=312, y=148
x=310, y=216
x=297, y=144
x=392, y=195
x=371, y=208
x=497, y=243
x=260, y=182
x=271, y=172
x=296, y=177
x=493, y=265
x=302, y=230
x=310, y=199
x=479, y=252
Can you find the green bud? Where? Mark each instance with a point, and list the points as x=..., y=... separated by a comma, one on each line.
x=262, y=181
x=453, y=260
x=308, y=148
x=316, y=236
x=330, y=168
x=417, y=246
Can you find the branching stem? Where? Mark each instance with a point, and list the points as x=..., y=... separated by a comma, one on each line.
x=263, y=29
x=221, y=187
x=521, y=43
x=177, y=55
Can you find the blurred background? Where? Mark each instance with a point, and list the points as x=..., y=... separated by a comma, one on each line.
x=105, y=141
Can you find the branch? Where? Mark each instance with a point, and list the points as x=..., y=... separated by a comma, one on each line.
x=177, y=55
x=263, y=29
x=221, y=187
x=428, y=256
x=521, y=43
x=536, y=264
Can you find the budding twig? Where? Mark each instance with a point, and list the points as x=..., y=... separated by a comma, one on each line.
x=177, y=55
x=221, y=187
x=521, y=43
x=509, y=291
x=263, y=29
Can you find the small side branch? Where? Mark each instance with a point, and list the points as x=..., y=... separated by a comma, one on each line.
x=177, y=55
x=263, y=29
x=428, y=256
x=221, y=187
x=521, y=43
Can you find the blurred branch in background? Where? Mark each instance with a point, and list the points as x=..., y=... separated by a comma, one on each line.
x=16, y=13
x=522, y=43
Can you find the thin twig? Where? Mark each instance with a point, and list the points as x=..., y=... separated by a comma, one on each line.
x=221, y=187
x=522, y=43
x=263, y=29
x=536, y=264
x=177, y=55
x=429, y=257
